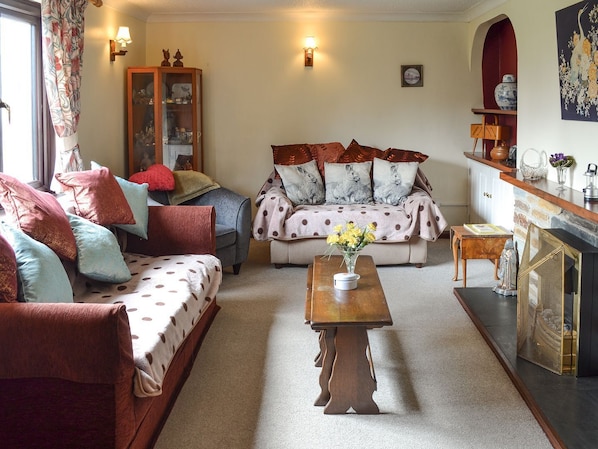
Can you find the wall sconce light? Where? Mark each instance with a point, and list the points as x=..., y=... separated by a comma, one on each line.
x=123, y=37
x=310, y=46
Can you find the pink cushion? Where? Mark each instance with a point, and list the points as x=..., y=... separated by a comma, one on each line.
x=158, y=176
x=39, y=215
x=8, y=272
x=96, y=196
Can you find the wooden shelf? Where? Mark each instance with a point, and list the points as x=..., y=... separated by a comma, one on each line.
x=568, y=199
x=496, y=164
x=493, y=111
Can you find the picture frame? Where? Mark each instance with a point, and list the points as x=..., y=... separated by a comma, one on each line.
x=412, y=76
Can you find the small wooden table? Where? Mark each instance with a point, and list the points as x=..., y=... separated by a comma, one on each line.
x=476, y=246
x=343, y=317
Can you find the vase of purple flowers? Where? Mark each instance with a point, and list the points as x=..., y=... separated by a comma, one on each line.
x=561, y=162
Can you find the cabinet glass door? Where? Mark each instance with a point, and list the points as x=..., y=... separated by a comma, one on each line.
x=142, y=120
x=177, y=121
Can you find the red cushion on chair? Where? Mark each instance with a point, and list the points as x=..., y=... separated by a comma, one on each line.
x=158, y=176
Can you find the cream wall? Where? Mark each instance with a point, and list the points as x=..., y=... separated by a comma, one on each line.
x=103, y=122
x=257, y=92
x=539, y=123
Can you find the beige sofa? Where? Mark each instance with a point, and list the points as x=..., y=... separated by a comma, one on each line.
x=297, y=233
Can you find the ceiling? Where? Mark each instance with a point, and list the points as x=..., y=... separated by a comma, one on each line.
x=195, y=10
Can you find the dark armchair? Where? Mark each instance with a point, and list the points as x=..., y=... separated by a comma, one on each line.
x=233, y=223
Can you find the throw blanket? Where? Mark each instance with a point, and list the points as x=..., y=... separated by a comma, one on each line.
x=277, y=218
x=165, y=300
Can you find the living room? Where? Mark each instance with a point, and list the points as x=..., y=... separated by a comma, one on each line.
x=257, y=93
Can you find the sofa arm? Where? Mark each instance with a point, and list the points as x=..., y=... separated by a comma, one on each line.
x=86, y=343
x=177, y=230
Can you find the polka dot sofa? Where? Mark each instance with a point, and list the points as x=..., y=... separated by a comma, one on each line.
x=96, y=341
x=315, y=187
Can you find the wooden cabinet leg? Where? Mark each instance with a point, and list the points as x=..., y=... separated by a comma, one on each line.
x=456, y=256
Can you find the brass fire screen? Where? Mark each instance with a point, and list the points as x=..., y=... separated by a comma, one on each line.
x=548, y=302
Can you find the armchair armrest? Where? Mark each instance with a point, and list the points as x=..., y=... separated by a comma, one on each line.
x=177, y=230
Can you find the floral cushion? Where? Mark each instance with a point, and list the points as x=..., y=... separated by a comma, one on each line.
x=348, y=183
x=8, y=272
x=302, y=183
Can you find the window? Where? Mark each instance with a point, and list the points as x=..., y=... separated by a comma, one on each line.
x=26, y=135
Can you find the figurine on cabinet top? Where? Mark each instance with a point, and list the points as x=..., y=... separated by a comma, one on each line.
x=166, y=61
x=177, y=56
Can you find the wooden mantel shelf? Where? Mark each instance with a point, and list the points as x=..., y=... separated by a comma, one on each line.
x=568, y=199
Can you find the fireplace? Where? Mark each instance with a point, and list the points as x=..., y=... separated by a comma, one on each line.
x=557, y=317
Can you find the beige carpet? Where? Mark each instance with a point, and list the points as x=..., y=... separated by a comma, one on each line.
x=439, y=385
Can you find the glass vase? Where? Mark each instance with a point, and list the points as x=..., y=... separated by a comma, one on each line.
x=350, y=259
x=561, y=177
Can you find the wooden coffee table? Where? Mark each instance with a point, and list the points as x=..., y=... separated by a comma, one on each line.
x=342, y=317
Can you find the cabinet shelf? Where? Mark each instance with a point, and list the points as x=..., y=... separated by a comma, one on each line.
x=482, y=111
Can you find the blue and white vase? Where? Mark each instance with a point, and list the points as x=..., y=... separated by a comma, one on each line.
x=506, y=93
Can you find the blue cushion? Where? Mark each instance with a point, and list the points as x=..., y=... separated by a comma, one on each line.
x=98, y=253
x=136, y=195
x=41, y=275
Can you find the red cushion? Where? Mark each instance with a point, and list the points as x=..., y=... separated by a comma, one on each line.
x=396, y=155
x=360, y=153
x=97, y=196
x=39, y=215
x=158, y=176
x=326, y=152
x=8, y=272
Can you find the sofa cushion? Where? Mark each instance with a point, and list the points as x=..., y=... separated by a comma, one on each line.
x=302, y=183
x=165, y=299
x=326, y=152
x=397, y=155
x=38, y=214
x=137, y=197
x=348, y=183
x=190, y=184
x=393, y=181
x=98, y=252
x=225, y=236
x=157, y=176
x=8, y=272
x=41, y=276
x=96, y=196
x=359, y=153
x=292, y=154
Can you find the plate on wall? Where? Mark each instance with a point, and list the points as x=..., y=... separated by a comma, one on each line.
x=182, y=90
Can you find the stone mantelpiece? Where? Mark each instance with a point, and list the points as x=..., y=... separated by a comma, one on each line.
x=542, y=203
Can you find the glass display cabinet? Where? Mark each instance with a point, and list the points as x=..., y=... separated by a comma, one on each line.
x=164, y=115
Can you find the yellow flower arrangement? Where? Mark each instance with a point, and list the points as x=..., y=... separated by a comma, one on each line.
x=350, y=239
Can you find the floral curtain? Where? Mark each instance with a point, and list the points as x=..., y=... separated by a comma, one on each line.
x=62, y=45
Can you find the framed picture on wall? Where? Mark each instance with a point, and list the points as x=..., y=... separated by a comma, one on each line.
x=412, y=75
x=577, y=40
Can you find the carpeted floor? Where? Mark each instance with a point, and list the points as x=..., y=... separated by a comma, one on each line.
x=439, y=385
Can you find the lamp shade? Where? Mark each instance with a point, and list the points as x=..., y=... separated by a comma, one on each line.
x=310, y=42
x=123, y=37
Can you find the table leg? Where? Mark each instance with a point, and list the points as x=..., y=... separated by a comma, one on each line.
x=328, y=356
x=351, y=382
x=456, y=256
x=320, y=356
x=496, y=269
x=464, y=263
